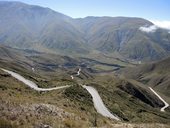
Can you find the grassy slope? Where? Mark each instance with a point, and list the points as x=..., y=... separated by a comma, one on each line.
x=75, y=102
x=128, y=104
x=156, y=75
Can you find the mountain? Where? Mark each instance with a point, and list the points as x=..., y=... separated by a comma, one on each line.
x=51, y=49
x=27, y=26
x=33, y=27
x=122, y=34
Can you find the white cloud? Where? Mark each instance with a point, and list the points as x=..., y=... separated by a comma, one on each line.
x=148, y=29
x=162, y=24
x=157, y=24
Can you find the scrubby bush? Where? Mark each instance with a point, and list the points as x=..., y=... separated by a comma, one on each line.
x=5, y=124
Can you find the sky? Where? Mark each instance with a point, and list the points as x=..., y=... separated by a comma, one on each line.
x=157, y=11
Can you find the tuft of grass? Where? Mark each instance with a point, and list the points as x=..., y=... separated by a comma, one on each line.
x=6, y=124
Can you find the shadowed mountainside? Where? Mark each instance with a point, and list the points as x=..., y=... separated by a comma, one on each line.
x=156, y=75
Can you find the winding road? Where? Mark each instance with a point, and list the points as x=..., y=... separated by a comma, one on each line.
x=98, y=103
x=166, y=104
x=30, y=83
x=78, y=72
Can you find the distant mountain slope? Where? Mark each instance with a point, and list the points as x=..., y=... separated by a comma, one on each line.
x=5, y=53
x=10, y=57
x=33, y=27
x=122, y=34
x=156, y=75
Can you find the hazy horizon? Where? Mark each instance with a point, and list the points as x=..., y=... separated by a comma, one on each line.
x=155, y=11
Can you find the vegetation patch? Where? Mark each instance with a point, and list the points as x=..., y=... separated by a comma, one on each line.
x=127, y=106
x=79, y=94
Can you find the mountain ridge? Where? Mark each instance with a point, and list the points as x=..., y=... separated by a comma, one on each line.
x=33, y=27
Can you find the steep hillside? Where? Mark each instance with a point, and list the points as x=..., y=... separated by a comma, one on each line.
x=33, y=27
x=122, y=34
x=156, y=75
x=130, y=100
x=23, y=106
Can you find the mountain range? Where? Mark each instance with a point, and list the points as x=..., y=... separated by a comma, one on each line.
x=42, y=29
x=123, y=63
